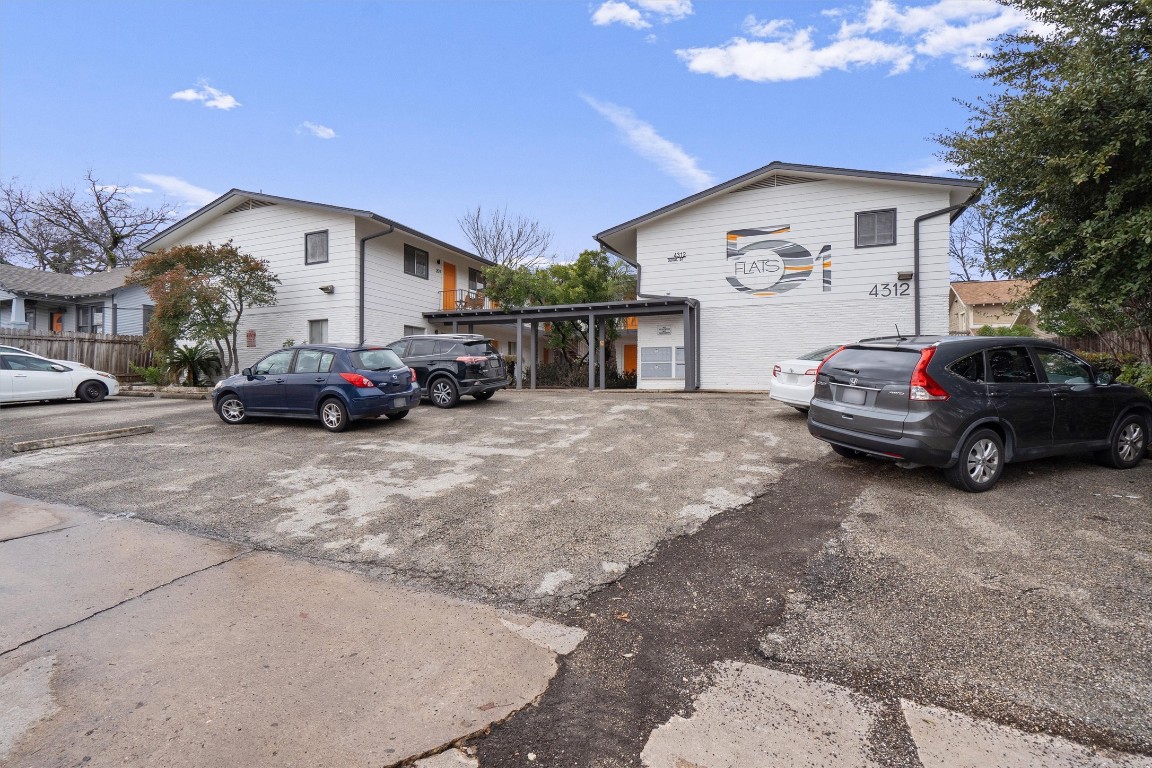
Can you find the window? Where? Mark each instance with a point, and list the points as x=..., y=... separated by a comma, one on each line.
x=413, y=330
x=876, y=228
x=276, y=363
x=146, y=317
x=512, y=348
x=971, y=368
x=1062, y=368
x=398, y=347
x=415, y=261
x=656, y=362
x=29, y=363
x=316, y=247
x=313, y=361
x=445, y=348
x=317, y=331
x=422, y=348
x=475, y=279
x=90, y=318
x=1011, y=366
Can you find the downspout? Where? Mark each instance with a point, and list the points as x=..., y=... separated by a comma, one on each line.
x=363, y=247
x=916, y=253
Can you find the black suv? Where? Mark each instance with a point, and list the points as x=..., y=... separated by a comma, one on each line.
x=971, y=404
x=450, y=365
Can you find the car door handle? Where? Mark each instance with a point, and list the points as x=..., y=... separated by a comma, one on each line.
x=320, y=378
x=279, y=381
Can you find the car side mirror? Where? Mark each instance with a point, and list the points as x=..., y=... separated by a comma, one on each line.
x=1104, y=379
x=58, y=368
x=247, y=372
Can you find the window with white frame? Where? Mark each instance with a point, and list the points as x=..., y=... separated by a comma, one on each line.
x=413, y=330
x=415, y=261
x=876, y=228
x=316, y=247
x=317, y=331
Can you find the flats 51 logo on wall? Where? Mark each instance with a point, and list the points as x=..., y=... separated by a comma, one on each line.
x=764, y=265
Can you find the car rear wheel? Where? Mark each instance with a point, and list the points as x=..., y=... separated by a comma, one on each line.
x=1129, y=443
x=91, y=392
x=397, y=416
x=333, y=415
x=847, y=453
x=484, y=395
x=231, y=410
x=443, y=393
x=981, y=462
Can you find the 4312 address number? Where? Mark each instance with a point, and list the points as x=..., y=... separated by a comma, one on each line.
x=885, y=290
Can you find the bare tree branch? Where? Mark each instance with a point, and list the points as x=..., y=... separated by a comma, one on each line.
x=507, y=241
x=974, y=244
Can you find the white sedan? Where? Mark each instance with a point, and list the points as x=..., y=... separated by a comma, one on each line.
x=4, y=348
x=28, y=377
x=793, y=381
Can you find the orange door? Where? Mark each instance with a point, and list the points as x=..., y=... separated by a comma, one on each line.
x=449, y=286
x=629, y=358
x=57, y=322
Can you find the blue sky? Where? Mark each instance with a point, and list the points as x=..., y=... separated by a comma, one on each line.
x=581, y=115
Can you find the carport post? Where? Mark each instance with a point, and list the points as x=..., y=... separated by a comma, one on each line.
x=689, y=351
x=455, y=326
x=601, y=350
x=519, y=352
x=532, y=384
x=591, y=352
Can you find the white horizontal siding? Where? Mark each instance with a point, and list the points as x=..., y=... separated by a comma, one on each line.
x=742, y=335
x=130, y=302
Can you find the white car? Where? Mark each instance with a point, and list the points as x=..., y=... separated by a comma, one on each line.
x=17, y=351
x=793, y=381
x=30, y=377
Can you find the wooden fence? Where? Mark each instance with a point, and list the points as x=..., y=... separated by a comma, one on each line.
x=101, y=351
x=1111, y=343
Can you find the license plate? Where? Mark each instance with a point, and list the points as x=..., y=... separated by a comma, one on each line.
x=853, y=396
x=400, y=402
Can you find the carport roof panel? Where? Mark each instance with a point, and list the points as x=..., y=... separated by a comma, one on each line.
x=666, y=306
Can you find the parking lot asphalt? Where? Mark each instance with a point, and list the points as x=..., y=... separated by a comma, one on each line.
x=1028, y=606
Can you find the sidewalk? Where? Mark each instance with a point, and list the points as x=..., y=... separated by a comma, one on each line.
x=122, y=642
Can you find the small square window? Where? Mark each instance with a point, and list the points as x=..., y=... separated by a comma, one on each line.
x=316, y=247
x=317, y=331
x=876, y=228
x=415, y=262
x=414, y=330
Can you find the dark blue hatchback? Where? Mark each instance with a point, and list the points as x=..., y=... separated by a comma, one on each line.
x=330, y=382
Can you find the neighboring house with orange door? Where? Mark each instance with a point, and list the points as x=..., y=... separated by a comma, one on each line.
x=347, y=274
x=33, y=299
x=997, y=303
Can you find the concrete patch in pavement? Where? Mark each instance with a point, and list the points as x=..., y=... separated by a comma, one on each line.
x=946, y=739
x=267, y=660
x=757, y=716
x=27, y=517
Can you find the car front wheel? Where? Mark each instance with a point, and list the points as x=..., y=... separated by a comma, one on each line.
x=231, y=410
x=333, y=415
x=443, y=393
x=981, y=462
x=91, y=392
x=1129, y=442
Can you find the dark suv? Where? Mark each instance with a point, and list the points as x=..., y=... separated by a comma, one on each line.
x=450, y=365
x=970, y=404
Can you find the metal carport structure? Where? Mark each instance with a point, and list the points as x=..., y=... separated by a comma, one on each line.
x=594, y=314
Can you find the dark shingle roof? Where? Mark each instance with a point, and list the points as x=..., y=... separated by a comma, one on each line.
x=37, y=282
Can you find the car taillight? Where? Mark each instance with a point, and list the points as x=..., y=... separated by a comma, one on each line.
x=412, y=371
x=825, y=360
x=922, y=386
x=357, y=380
x=811, y=371
x=775, y=371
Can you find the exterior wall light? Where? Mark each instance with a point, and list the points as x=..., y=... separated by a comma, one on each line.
x=328, y=288
x=899, y=276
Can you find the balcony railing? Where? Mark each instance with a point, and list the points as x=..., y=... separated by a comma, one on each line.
x=465, y=298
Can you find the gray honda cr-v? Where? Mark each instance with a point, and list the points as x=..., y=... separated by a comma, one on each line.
x=971, y=404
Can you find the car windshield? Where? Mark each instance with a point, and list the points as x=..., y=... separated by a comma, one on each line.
x=819, y=354
x=375, y=359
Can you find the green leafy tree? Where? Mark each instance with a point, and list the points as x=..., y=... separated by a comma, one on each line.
x=594, y=276
x=1065, y=146
x=200, y=292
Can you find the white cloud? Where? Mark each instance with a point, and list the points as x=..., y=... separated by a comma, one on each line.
x=649, y=144
x=640, y=14
x=884, y=33
x=317, y=130
x=213, y=98
x=127, y=190
x=173, y=186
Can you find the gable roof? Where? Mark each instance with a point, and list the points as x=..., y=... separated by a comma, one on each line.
x=36, y=282
x=977, y=292
x=229, y=198
x=621, y=239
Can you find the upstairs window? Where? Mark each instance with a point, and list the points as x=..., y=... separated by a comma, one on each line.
x=876, y=228
x=475, y=279
x=316, y=247
x=415, y=261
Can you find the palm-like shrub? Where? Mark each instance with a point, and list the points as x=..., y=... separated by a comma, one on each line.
x=187, y=363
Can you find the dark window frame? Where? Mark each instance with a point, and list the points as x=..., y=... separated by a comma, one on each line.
x=875, y=213
x=85, y=318
x=415, y=255
x=326, y=250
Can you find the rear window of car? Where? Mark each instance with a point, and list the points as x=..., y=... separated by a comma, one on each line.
x=375, y=359
x=883, y=364
x=480, y=348
x=970, y=367
x=818, y=354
